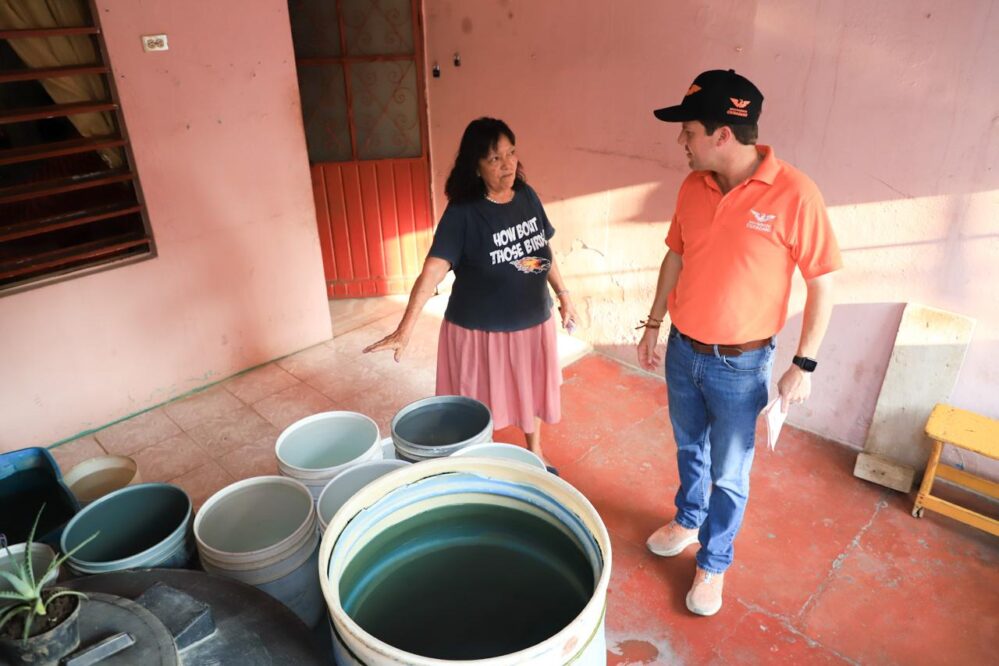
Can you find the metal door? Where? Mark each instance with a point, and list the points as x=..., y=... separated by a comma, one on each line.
x=360, y=72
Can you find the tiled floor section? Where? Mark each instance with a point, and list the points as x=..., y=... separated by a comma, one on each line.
x=829, y=569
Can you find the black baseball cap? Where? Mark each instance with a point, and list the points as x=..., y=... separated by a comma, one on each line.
x=720, y=95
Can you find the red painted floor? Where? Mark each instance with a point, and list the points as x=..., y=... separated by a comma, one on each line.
x=829, y=568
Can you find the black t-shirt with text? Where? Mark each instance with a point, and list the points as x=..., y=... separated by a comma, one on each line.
x=500, y=257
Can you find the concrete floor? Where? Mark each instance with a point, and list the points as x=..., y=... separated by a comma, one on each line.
x=829, y=569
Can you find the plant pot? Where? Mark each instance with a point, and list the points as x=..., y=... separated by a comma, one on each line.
x=96, y=477
x=48, y=648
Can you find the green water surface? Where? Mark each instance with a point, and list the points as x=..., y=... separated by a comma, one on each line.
x=470, y=581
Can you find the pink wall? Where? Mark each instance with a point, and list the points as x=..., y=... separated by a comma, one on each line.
x=217, y=134
x=890, y=106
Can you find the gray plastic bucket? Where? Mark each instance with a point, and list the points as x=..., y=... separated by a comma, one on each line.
x=147, y=525
x=437, y=427
x=315, y=449
x=344, y=485
x=262, y=531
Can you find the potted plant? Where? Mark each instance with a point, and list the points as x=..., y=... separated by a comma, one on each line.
x=38, y=625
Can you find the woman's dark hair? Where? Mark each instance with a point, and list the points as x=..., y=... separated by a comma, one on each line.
x=481, y=136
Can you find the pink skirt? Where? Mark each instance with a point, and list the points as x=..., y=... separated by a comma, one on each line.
x=517, y=375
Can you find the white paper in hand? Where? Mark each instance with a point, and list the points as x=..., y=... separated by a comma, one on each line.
x=774, y=418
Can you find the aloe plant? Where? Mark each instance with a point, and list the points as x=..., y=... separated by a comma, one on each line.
x=27, y=592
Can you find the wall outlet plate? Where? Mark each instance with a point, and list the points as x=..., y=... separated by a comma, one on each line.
x=155, y=43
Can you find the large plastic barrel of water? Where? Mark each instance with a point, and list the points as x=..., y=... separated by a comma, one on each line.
x=315, y=449
x=147, y=525
x=438, y=426
x=262, y=531
x=467, y=560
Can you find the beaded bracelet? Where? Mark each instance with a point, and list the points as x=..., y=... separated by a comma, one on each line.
x=560, y=294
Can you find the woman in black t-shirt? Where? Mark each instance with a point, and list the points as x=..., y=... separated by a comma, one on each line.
x=497, y=342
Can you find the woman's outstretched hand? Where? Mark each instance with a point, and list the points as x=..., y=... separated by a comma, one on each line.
x=570, y=320
x=396, y=341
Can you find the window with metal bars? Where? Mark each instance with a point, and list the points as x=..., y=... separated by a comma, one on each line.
x=70, y=201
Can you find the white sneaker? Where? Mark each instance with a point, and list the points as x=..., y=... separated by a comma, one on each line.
x=671, y=539
x=705, y=596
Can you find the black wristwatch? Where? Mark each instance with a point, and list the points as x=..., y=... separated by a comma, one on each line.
x=805, y=363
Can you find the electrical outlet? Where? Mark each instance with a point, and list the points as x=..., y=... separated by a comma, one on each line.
x=154, y=43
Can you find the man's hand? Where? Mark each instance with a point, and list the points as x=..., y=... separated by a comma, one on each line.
x=649, y=357
x=794, y=387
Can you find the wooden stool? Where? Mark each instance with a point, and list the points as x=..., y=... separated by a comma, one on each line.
x=970, y=431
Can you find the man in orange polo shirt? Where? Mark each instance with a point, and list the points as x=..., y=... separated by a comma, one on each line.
x=744, y=220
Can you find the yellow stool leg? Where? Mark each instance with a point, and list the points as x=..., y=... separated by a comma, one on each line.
x=927, y=484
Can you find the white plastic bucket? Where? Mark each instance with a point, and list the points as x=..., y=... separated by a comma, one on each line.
x=41, y=557
x=315, y=449
x=438, y=426
x=494, y=546
x=388, y=449
x=503, y=452
x=344, y=485
x=262, y=531
x=96, y=477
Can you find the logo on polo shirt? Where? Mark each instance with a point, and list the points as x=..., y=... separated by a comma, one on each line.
x=761, y=221
x=739, y=107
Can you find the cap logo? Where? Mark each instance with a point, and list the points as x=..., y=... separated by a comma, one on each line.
x=740, y=103
x=692, y=89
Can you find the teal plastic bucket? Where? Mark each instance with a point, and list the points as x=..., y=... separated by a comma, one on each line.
x=143, y=526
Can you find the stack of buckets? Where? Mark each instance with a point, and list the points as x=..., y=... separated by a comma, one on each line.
x=265, y=531
x=288, y=535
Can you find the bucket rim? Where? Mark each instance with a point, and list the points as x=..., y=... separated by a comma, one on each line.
x=530, y=458
x=91, y=566
x=322, y=416
x=391, y=464
x=592, y=613
x=422, y=452
x=321, y=475
x=93, y=465
x=287, y=544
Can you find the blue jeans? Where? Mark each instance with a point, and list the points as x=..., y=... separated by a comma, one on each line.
x=714, y=401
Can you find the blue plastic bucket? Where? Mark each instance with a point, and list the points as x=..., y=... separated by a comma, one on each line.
x=30, y=478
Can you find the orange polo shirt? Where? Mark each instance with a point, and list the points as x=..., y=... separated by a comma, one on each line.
x=740, y=248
